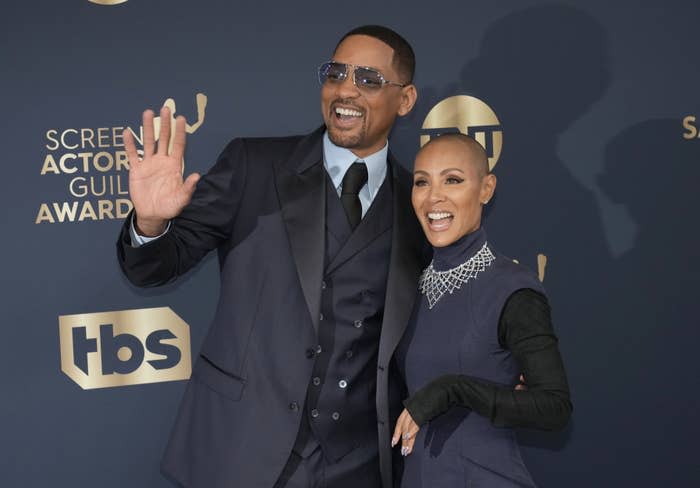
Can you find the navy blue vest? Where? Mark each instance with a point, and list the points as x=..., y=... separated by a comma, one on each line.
x=340, y=405
x=459, y=335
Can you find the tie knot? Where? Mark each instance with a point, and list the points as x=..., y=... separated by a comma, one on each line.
x=355, y=178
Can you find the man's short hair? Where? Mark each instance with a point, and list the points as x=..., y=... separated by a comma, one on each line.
x=404, y=60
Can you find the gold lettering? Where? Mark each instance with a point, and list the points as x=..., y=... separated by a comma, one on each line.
x=105, y=208
x=117, y=134
x=81, y=186
x=88, y=212
x=94, y=190
x=108, y=157
x=86, y=160
x=688, y=124
x=63, y=138
x=49, y=134
x=139, y=138
x=541, y=266
x=44, y=215
x=86, y=135
x=65, y=210
x=120, y=191
x=103, y=137
x=121, y=161
x=124, y=206
x=62, y=163
x=50, y=166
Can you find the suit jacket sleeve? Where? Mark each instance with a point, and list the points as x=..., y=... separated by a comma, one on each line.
x=201, y=226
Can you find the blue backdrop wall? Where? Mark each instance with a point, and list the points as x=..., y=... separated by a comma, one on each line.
x=598, y=177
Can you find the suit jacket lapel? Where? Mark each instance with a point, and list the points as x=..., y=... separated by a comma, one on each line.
x=300, y=185
x=404, y=266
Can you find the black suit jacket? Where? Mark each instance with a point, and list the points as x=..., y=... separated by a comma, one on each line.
x=262, y=206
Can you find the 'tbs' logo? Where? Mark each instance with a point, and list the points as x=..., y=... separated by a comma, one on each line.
x=124, y=348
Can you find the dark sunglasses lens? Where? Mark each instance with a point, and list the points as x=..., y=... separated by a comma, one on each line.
x=368, y=78
x=332, y=72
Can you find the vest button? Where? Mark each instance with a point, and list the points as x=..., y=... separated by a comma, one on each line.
x=316, y=381
x=358, y=324
x=293, y=406
x=348, y=354
x=335, y=416
x=310, y=353
x=342, y=383
x=319, y=349
x=314, y=413
x=323, y=285
x=320, y=316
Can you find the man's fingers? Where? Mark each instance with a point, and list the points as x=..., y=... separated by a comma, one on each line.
x=164, y=137
x=148, y=137
x=130, y=147
x=179, y=139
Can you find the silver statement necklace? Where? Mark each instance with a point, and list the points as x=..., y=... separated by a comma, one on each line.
x=434, y=284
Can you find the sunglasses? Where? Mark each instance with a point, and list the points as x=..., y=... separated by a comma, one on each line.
x=367, y=80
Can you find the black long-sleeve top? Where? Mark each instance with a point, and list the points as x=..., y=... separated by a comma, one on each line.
x=525, y=328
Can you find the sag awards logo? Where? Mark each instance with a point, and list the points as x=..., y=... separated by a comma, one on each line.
x=128, y=347
x=469, y=115
x=473, y=117
x=691, y=130
x=93, y=166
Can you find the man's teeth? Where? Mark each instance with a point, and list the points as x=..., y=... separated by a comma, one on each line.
x=348, y=112
x=439, y=215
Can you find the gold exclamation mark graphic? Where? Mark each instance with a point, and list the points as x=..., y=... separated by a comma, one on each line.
x=541, y=266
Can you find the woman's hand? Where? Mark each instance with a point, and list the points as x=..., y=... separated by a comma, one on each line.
x=406, y=430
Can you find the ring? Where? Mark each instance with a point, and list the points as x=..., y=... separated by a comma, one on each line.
x=406, y=436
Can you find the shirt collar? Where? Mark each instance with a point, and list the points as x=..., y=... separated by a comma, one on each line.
x=337, y=160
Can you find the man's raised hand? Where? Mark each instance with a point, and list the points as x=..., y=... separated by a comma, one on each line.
x=156, y=185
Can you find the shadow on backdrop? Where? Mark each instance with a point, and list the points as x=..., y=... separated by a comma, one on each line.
x=649, y=360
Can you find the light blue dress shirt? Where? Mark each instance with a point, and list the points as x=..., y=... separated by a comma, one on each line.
x=336, y=160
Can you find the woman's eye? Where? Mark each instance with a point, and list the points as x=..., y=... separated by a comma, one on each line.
x=453, y=180
x=420, y=183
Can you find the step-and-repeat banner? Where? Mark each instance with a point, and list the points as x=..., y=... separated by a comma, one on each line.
x=589, y=111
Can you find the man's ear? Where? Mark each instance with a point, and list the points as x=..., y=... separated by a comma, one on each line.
x=409, y=95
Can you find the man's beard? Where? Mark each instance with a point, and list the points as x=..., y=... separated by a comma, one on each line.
x=345, y=139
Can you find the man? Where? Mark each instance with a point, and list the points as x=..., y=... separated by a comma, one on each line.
x=318, y=252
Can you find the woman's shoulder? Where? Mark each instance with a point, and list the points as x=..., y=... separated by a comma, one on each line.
x=511, y=275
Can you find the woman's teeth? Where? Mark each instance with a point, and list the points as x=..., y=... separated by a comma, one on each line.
x=439, y=215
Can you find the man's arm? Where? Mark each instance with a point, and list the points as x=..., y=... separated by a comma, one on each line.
x=198, y=221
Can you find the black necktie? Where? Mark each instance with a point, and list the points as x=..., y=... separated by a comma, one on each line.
x=354, y=179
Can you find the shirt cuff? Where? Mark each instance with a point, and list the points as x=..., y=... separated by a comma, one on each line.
x=137, y=240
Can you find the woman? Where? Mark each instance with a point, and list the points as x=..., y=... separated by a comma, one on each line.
x=480, y=321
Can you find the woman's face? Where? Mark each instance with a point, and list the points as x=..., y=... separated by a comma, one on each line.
x=449, y=189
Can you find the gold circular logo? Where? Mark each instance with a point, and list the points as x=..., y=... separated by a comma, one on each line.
x=107, y=2
x=468, y=115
